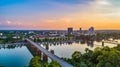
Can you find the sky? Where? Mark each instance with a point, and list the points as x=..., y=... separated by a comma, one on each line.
x=59, y=14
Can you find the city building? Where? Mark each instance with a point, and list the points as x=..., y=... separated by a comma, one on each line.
x=1, y=34
x=70, y=31
x=16, y=37
x=91, y=31
x=80, y=30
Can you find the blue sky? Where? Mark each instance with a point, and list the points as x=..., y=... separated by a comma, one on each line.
x=71, y=1
x=40, y=14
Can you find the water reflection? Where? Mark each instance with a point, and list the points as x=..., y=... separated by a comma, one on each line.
x=90, y=43
x=11, y=46
x=14, y=55
x=47, y=44
x=67, y=48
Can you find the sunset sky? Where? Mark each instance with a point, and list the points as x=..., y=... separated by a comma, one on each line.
x=59, y=14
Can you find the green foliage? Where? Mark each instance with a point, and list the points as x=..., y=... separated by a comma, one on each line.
x=107, y=58
x=100, y=57
x=37, y=62
x=9, y=38
x=76, y=56
x=54, y=64
x=118, y=47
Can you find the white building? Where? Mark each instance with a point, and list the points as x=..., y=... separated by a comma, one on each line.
x=16, y=37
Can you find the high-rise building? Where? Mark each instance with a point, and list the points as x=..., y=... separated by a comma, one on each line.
x=91, y=31
x=70, y=31
x=80, y=30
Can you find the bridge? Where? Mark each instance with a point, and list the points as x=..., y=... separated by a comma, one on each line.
x=49, y=54
x=12, y=45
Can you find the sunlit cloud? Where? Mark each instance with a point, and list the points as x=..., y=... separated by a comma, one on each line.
x=60, y=14
x=8, y=22
x=102, y=2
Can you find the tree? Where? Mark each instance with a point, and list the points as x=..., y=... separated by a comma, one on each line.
x=35, y=62
x=109, y=57
x=100, y=57
x=54, y=64
x=76, y=56
x=117, y=47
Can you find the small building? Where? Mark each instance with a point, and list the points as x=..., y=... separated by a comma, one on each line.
x=3, y=37
x=16, y=37
x=1, y=34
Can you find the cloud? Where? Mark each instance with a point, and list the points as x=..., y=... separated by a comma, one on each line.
x=103, y=2
x=104, y=8
x=59, y=13
x=8, y=22
x=5, y=23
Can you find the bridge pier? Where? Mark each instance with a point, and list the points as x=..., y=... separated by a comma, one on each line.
x=38, y=52
x=47, y=47
x=102, y=43
x=45, y=57
x=52, y=51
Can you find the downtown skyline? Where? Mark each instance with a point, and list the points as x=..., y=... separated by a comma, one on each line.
x=59, y=14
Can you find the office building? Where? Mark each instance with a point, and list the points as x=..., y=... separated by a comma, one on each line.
x=70, y=31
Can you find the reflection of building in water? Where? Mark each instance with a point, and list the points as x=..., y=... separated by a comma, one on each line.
x=69, y=43
x=90, y=43
x=82, y=41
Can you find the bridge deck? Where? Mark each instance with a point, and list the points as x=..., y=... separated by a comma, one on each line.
x=50, y=55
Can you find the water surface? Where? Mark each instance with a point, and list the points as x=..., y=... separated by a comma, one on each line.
x=15, y=57
x=66, y=50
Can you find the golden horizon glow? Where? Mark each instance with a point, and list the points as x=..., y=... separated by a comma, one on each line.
x=101, y=14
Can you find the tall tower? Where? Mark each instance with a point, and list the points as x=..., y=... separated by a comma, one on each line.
x=80, y=30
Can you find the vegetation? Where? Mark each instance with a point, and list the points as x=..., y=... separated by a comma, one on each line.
x=36, y=62
x=100, y=57
x=8, y=38
x=106, y=36
x=54, y=64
